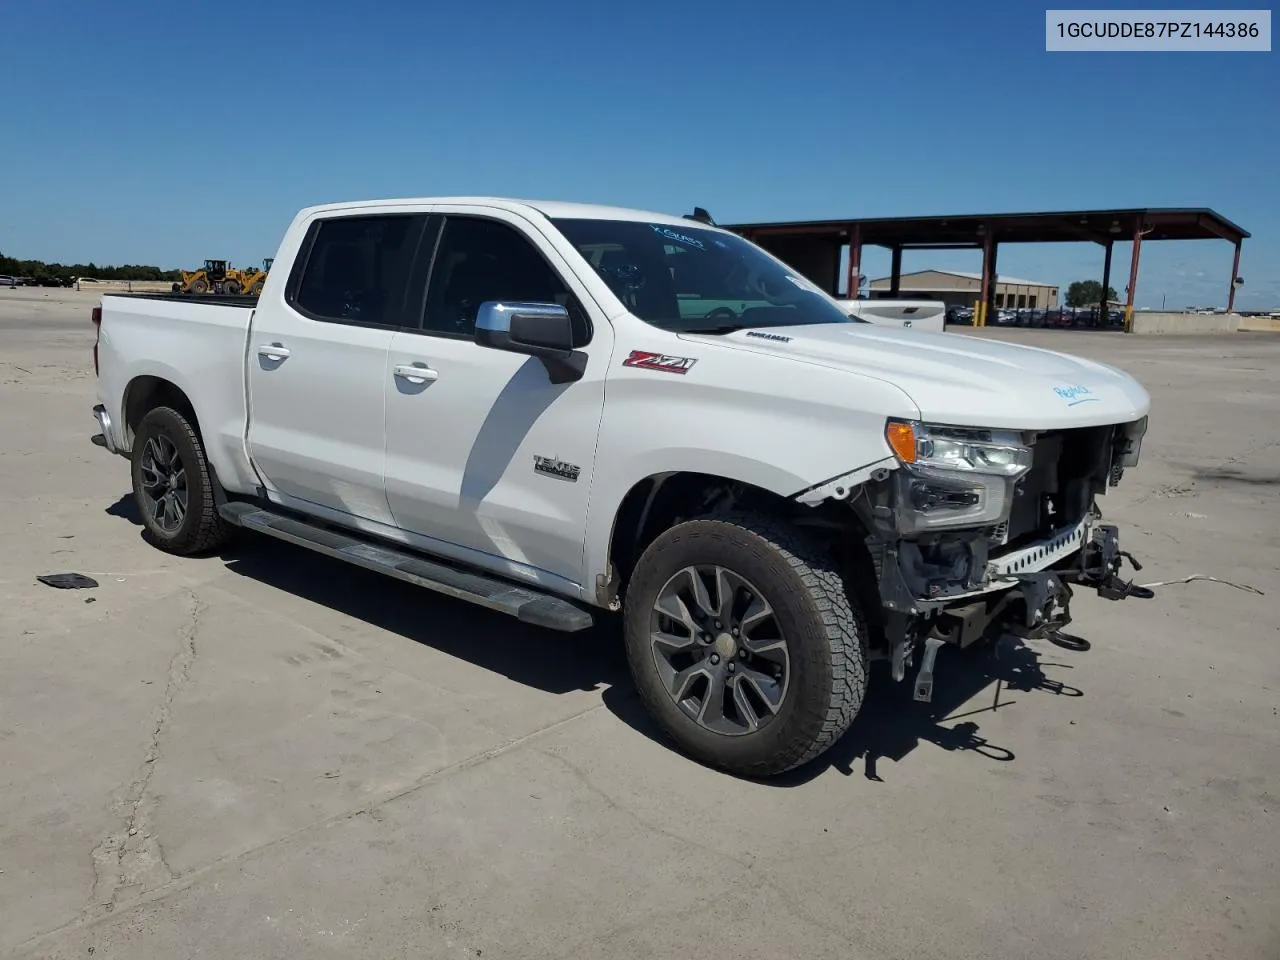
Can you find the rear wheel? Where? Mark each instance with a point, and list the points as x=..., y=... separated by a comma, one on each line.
x=744, y=644
x=231, y=288
x=173, y=485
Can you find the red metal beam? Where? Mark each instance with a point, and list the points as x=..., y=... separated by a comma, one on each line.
x=1104, y=307
x=1133, y=277
x=941, y=246
x=825, y=233
x=1081, y=232
x=1208, y=224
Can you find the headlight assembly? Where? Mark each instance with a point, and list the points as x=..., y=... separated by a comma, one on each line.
x=955, y=476
x=1129, y=442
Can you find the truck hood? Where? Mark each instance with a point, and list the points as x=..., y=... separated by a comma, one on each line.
x=958, y=379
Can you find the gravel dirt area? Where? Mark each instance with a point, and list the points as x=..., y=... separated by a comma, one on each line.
x=272, y=754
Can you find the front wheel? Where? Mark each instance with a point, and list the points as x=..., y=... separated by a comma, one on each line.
x=744, y=643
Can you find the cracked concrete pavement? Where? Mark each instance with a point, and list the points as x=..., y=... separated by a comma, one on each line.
x=271, y=754
x=131, y=860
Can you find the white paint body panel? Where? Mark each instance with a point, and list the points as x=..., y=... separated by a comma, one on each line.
x=964, y=380
x=461, y=448
x=449, y=467
x=199, y=348
x=316, y=416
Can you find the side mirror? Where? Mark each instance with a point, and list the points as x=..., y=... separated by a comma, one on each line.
x=542, y=330
x=538, y=329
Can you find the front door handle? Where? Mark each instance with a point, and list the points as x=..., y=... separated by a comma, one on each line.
x=415, y=374
x=273, y=351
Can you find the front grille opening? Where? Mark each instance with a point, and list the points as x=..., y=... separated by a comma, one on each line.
x=1068, y=468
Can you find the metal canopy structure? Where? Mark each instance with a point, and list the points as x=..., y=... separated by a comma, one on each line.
x=813, y=246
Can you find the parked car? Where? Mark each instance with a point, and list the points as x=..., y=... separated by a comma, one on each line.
x=558, y=410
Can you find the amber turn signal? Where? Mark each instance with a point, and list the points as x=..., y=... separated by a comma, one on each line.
x=902, y=439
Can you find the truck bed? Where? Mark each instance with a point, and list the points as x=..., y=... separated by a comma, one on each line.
x=197, y=343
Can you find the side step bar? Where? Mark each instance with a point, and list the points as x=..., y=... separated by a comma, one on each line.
x=523, y=603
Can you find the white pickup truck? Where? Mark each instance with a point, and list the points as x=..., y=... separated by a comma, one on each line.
x=555, y=410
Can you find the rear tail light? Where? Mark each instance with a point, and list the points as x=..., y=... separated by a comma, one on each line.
x=96, y=317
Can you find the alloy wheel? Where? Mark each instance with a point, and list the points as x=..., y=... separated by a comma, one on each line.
x=164, y=483
x=719, y=650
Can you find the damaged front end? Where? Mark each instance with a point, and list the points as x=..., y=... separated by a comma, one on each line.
x=979, y=531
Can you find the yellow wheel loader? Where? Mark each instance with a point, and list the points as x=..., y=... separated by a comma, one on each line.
x=211, y=277
x=250, y=281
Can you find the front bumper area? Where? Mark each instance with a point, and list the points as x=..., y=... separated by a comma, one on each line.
x=911, y=584
x=1031, y=604
x=1046, y=595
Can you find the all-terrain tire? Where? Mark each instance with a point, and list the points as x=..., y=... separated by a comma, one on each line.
x=202, y=529
x=824, y=630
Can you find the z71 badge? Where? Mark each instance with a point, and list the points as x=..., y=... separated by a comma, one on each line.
x=647, y=360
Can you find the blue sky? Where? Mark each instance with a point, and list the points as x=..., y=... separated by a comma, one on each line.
x=131, y=134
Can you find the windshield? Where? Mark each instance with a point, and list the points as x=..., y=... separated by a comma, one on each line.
x=688, y=279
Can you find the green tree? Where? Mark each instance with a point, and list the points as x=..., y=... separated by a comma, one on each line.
x=11, y=266
x=1087, y=293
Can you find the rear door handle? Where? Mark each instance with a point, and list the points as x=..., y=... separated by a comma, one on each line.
x=415, y=374
x=273, y=351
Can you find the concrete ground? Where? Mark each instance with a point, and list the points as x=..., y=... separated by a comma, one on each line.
x=271, y=754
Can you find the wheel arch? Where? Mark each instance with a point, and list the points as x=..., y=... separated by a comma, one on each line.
x=658, y=501
x=147, y=391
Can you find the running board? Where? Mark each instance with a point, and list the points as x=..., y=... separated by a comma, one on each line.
x=523, y=603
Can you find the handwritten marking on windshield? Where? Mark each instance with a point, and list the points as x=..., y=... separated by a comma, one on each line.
x=677, y=236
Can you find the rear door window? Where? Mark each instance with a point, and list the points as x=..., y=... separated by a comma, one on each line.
x=357, y=269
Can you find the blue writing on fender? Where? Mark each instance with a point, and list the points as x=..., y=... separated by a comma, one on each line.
x=1075, y=395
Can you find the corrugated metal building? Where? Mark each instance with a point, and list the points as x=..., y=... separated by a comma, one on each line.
x=960, y=289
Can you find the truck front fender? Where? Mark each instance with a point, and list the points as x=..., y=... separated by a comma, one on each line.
x=823, y=429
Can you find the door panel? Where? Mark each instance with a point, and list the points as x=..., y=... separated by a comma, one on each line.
x=317, y=358
x=316, y=415
x=472, y=450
